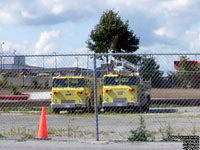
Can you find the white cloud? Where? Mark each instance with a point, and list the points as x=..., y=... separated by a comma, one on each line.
x=48, y=42
x=27, y=15
x=19, y=48
x=155, y=22
x=192, y=38
x=40, y=12
x=174, y=4
x=57, y=7
x=163, y=31
x=77, y=51
x=6, y=17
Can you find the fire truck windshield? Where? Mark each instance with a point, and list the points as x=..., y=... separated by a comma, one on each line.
x=76, y=82
x=123, y=80
x=60, y=83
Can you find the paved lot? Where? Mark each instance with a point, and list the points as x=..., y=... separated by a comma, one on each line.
x=90, y=145
x=39, y=95
x=112, y=126
x=77, y=131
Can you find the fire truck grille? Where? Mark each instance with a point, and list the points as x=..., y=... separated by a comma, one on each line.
x=120, y=100
x=67, y=101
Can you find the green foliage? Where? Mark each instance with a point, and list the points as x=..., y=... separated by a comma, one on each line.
x=167, y=133
x=35, y=83
x=14, y=90
x=188, y=73
x=149, y=71
x=22, y=132
x=140, y=134
x=194, y=131
x=46, y=84
x=4, y=82
x=111, y=34
x=1, y=136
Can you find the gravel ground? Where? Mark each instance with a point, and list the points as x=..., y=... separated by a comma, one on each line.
x=89, y=145
x=175, y=93
x=112, y=126
x=155, y=93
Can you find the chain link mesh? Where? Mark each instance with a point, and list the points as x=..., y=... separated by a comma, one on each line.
x=139, y=97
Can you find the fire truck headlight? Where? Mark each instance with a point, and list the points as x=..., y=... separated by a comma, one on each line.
x=133, y=99
x=106, y=99
x=81, y=101
x=55, y=101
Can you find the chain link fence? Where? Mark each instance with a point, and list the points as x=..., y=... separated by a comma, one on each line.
x=135, y=97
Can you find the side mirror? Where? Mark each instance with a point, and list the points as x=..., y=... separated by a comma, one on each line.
x=101, y=81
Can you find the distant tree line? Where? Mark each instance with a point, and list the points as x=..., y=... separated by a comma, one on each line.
x=187, y=74
x=113, y=35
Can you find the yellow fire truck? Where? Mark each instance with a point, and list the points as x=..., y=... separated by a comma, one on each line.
x=124, y=89
x=73, y=93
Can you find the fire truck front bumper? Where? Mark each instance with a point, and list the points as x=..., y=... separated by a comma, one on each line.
x=120, y=104
x=67, y=106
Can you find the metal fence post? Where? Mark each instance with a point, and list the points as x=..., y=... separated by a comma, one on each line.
x=95, y=98
x=1, y=64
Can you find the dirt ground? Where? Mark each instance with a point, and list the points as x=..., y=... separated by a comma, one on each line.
x=7, y=91
x=175, y=93
x=155, y=93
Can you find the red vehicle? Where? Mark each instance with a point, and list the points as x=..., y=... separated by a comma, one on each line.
x=190, y=62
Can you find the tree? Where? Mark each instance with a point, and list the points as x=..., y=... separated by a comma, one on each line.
x=149, y=71
x=171, y=80
x=188, y=73
x=112, y=35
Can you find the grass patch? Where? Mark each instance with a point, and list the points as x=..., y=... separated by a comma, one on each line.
x=165, y=105
x=194, y=131
x=27, y=136
x=1, y=136
x=49, y=111
x=23, y=133
x=79, y=114
x=167, y=133
x=181, y=132
x=29, y=108
x=26, y=109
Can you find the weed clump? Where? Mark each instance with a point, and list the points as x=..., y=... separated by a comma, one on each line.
x=140, y=134
x=167, y=133
x=14, y=90
x=1, y=136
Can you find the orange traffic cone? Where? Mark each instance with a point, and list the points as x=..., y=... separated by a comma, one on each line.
x=42, y=130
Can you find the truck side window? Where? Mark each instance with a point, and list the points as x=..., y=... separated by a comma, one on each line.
x=89, y=84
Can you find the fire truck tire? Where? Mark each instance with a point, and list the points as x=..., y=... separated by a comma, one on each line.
x=56, y=110
x=100, y=103
x=72, y=111
x=145, y=108
x=88, y=108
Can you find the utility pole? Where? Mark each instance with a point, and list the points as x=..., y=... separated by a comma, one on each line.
x=76, y=61
x=55, y=60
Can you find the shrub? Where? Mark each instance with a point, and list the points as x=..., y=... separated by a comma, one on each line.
x=3, y=82
x=140, y=134
x=14, y=90
x=167, y=134
x=1, y=136
x=46, y=84
x=35, y=83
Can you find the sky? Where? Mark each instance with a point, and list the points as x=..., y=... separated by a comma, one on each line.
x=63, y=26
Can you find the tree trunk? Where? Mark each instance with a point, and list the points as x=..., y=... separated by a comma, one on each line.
x=107, y=66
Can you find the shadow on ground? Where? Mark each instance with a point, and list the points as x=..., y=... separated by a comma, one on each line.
x=162, y=110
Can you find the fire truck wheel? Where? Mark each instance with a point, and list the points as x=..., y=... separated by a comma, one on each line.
x=56, y=110
x=100, y=104
x=88, y=108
